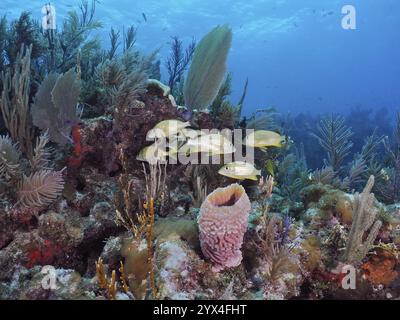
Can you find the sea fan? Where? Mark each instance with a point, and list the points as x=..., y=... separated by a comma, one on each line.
x=40, y=189
x=208, y=68
x=55, y=105
x=65, y=96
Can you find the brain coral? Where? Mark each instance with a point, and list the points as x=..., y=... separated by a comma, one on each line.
x=223, y=223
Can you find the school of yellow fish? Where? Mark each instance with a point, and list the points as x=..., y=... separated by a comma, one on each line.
x=173, y=137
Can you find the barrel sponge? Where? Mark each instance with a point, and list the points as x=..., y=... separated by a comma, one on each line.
x=222, y=223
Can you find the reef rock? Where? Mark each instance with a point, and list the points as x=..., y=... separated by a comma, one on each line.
x=48, y=283
x=180, y=271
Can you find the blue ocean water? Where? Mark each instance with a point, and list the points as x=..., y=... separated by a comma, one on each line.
x=295, y=53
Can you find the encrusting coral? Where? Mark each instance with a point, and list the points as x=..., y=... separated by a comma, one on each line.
x=223, y=223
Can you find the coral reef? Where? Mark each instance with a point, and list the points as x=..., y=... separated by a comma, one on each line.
x=82, y=218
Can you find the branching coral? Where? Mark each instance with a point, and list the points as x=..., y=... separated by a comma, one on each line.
x=14, y=102
x=222, y=223
x=114, y=43
x=201, y=177
x=364, y=163
x=23, y=31
x=41, y=153
x=292, y=175
x=3, y=42
x=364, y=214
x=9, y=159
x=358, y=168
x=110, y=285
x=141, y=224
x=132, y=86
x=263, y=119
x=223, y=112
x=388, y=186
x=208, y=68
x=273, y=255
x=334, y=136
x=265, y=188
x=224, y=92
x=178, y=61
x=122, y=79
x=75, y=36
x=200, y=192
x=325, y=175
x=155, y=181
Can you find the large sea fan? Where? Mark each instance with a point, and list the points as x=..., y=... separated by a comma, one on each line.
x=208, y=68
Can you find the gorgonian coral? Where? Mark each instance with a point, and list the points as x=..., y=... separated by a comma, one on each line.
x=364, y=221
x=55, y=105
x=178, y=61
x=334, y=136
x=223, y=223
x=14, y=101
x=208, y=68
x=35, y=186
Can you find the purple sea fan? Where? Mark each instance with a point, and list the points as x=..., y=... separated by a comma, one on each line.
x=223, y=221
